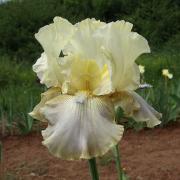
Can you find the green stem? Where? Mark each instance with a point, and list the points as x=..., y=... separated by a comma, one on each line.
x=93, y=169
x=118, y=161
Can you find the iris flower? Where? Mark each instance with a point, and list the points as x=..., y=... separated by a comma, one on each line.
x=89, y=69
x=165, y=72
x=141, y=69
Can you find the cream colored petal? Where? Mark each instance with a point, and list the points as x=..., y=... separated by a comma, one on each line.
x=80, y=127
x=44, y=73
x=46, y=96
x=82, y=42
x=122, y=47
x=141, y=69
x=125, y=100
x=130, y=80
x=170, y=76
x=55, y=36
x=136, y=107
x=86, y=75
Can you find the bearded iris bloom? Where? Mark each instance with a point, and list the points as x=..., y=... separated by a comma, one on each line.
x=141, y=69
x=90, y=70
x=166, y=73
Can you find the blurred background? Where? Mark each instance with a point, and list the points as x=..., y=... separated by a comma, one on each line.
x=157, y=20
x=146, y=154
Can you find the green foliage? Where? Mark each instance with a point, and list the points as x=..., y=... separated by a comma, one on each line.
x=158, y=21
x=19, y=93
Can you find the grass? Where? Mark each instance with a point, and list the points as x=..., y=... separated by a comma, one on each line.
x=20, y=89
x=155, y=62
x=19, y=92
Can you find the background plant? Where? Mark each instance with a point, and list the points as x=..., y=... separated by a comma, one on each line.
x=20, y=19
x=19, y=93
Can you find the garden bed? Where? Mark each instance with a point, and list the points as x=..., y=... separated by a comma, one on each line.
x=146, y=155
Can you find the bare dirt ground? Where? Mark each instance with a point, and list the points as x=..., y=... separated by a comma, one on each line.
x=146, y=155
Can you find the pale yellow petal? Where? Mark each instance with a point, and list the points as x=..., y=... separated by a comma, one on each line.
x=122, y=47
x=113, y=47
x=86, y=75
x=141, y=69
x=54, y=37
x=130, y=80
x=44, y=73
x=83, y=42
x=46, y=96
x=80, y=127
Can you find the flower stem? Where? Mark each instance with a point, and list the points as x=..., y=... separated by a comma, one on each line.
x=93, y=169
x=118, y=162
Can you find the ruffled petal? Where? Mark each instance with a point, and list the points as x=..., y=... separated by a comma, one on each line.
x=134, y=106
x=122, y=47
x=83, y=43
x=46, y=96
x=80, y=127
x=44, y=73
x=146, y=112
x=113, y=45
x=54, y=37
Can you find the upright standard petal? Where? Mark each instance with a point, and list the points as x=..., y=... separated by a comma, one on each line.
x=80, y=127
x=134, y=106
x=83, y=43
x=53, y=38
x=122, y=47
x=86, y=75
x=44, y=73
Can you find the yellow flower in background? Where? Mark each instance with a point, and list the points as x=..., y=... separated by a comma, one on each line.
x=165, y=72
x=90, y=70
x=141, y=69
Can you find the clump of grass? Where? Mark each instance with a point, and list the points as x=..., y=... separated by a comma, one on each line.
x=19, y=93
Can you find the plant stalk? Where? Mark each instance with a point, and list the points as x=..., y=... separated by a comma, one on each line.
x=118, y=162
x=93, y=169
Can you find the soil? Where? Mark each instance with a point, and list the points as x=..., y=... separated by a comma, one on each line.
x=146, y=155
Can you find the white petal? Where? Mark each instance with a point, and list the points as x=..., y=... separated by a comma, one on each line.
x=135, y=106
x=46, y=96
x=80, y=128
x=146, y=112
